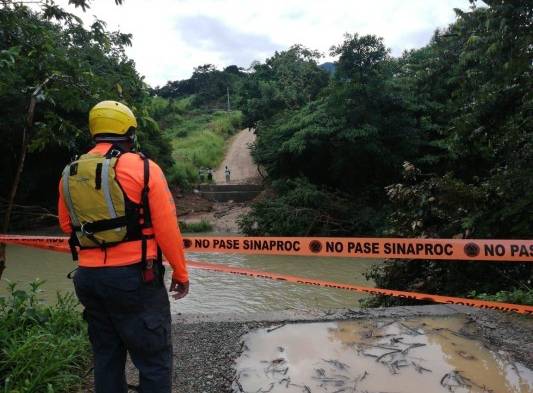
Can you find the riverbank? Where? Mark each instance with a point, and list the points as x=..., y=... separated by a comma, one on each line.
x=207, y=345
x=222, y=216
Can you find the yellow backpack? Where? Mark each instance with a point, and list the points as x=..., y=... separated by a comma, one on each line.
x=101, y=213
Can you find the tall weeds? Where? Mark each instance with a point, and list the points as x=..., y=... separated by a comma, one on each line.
x=199, y=141
x=43, y=348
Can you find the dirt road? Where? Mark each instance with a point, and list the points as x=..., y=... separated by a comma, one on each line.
x=238, y=160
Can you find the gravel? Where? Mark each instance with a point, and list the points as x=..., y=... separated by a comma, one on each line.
x=509, y=332
x=206, y=346
x=204, y=355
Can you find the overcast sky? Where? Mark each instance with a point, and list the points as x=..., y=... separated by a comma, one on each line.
x=171, y=37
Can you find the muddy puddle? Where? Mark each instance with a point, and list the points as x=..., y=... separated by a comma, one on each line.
x=413, y=356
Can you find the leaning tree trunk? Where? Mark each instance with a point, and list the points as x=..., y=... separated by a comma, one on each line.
x=28, y=125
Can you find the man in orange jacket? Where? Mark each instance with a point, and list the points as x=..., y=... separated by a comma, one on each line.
x=121, y=216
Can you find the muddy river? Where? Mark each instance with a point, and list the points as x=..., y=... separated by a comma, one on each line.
x=213, y=292
x=435, y=355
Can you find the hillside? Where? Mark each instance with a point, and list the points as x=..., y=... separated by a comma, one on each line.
x=198, y=137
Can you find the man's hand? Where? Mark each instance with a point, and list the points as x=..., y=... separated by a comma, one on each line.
x=181, y=289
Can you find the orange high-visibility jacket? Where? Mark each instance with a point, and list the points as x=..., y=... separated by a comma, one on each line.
x=130, y=175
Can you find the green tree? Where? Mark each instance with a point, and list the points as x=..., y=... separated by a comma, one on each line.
x=208, y=86
x=456, y=115
x=361, y=58
x=52, y=71
x=352, y=138
x=286, y=81
x=472, y=86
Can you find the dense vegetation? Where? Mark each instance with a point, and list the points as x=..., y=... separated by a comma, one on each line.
x=436, y=143
x=53, y=70
x=208, y=87
x=44, y=348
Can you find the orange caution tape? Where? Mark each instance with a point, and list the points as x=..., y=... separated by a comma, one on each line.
x=54, y=243
x=378, y=248
x=61, y=244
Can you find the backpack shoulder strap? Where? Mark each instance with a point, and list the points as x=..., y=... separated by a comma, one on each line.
x=69, y=170
x=147, y=218
x=146, y=189
x=145, y=206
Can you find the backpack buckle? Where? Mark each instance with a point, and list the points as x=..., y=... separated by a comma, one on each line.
x=85, y=231
x=114, y=153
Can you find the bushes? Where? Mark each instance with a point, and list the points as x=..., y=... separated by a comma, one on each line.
x=196, y=227
x=225, y=123
x=43, y=348
x=516, y=296
x=201, y=149
x=301, y=208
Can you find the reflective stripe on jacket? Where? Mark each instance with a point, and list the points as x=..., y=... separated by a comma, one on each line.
x=129, y=174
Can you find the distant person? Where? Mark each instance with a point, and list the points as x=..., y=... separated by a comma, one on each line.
x=209, y=175
x=121, y=217
x=227, y=172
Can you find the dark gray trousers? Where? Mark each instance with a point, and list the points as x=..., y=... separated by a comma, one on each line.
x=125, y=314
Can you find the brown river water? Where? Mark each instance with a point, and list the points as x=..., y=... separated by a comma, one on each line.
x=421, y=355
x=213, y=292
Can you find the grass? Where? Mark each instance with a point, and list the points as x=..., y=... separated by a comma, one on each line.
x=202, y=149
x=199, y=141
x=198, y=137
x=43, y=348
x=196, y=227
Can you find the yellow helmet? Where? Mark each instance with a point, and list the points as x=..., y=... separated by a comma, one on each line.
x=111, y=117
